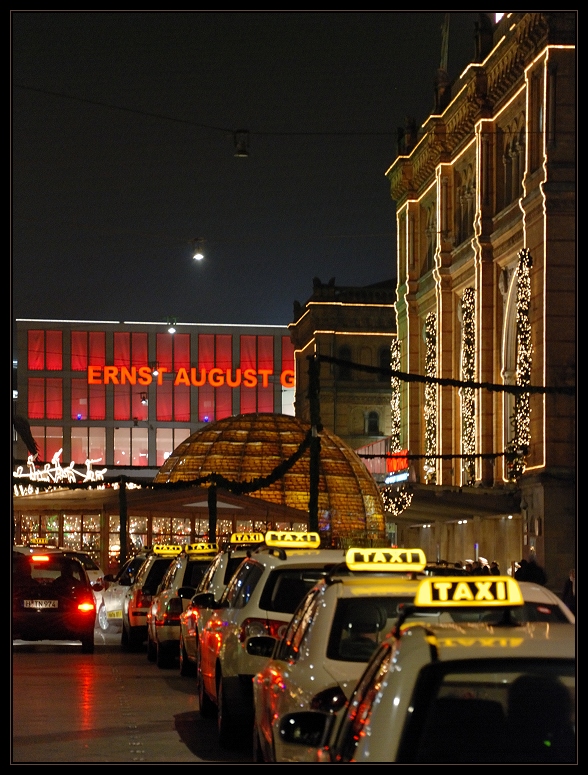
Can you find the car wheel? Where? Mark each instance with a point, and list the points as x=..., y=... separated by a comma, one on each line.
x=164, y=656
x=88, y=644
x=151, y=650
x=186, y=667
x=102, y=618
x=207, y=706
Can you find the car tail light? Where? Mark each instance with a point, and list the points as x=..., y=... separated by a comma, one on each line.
x=172, y=612
x=86, y=606
x=329, y=700
x=140, y=600
x=40, y=558
x=252, y=627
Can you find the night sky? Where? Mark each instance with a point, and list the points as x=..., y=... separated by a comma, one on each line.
x=123, y=154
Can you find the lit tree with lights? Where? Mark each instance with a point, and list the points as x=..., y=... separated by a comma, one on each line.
x=518, y=446
x=467, y=395
x=396, y=499
x=430, y=468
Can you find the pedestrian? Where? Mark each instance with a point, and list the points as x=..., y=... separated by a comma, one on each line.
x=494, y=568
x=569, y=591
x=530, y=570
x=484, y=567
x=469, y=567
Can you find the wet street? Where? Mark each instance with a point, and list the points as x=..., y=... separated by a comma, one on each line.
x=110, y=706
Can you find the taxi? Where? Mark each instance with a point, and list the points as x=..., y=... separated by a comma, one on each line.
x=139, y=596
x=260, y=599
x=111, y=600
x=173, y=595
x=455, y=693
x=208, y=593
x=330, y=639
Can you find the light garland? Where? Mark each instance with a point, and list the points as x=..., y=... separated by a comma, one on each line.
x=395, y=424
x=396, y=500
x=518, y=447
x=430, y=469
x=467, y=395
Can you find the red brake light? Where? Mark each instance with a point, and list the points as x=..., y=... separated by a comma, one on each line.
x=39, y=558
x=86, y=607
x=253, y=626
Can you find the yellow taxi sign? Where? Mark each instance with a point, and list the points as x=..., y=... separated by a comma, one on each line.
x=491, y=641
x=292, y=540
x=385, y=559
x=247, y=538
x=201, y=548
x=167, y=549
x=468, y=592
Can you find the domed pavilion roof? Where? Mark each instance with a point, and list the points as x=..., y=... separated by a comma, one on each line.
x=245, y=447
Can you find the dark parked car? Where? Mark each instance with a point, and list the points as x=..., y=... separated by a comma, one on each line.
x=52, y=599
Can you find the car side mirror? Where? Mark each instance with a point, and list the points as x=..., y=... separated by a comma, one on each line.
x=97, y=586
x=186, y=592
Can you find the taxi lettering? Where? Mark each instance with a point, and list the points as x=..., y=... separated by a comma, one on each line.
x=274, y=538
x=457, y=591
x=485, y=642
x=386, y=558
x=246, y=538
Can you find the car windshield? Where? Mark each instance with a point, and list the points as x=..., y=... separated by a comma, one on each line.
x=47, y=569
x=492, y=710
x=359, y=625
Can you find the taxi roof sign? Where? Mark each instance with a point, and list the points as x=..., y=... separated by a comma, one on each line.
x=385, y=559
x=201, y=548
x=460, y=591
x=167, y=549
x=292, y=540
x=247, y=538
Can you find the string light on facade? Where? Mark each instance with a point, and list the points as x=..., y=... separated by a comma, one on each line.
x=467, y=395
x=430, y=469
x=396, y=500
x=518, y=447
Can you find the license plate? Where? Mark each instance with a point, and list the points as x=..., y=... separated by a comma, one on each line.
x=41, y=604
x=114, y=615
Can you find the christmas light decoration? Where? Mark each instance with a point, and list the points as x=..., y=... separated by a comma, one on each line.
x=518, y=447
x=396, y=500
x=467, y=395
x=429, y=467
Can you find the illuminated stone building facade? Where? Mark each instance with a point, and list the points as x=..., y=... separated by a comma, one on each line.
x=354, y=325
x=486, y=266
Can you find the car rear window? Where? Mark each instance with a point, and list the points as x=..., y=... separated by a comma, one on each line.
x=156, y=574
x=285, y=588
x=194, y=573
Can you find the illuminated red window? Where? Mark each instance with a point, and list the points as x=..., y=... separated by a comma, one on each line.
x=164, y=351
x=182, y=403
x=122, y=402
x=54, y=399
x=248, y=361
x=97, y=396
x=79, y=350
x=97, y=348
x=45, y=398
x=139, y=355
x=224, y=360
x=122, y=349
x=287, y=354
x=206, y=392
x=45, y=350
x=79, y=399
x=164, y=403
x=265, y=362
x=181, y=350
x=36, y=398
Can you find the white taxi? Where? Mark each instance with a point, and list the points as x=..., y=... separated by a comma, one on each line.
x=329, y=640
x=110, y=604
x=209, y=592
x=259, y=600
x=173, y=596
x=469, y=693
x=139, y=595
